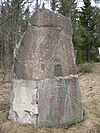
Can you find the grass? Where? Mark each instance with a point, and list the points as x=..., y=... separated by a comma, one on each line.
x=85, y=68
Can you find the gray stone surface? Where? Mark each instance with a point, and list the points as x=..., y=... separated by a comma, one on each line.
x=45, y=48
x=47, y=18
x=45, y=88
x=49, y=102
x=23, y=101
x=59, y=102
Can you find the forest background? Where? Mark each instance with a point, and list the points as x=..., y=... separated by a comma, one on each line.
x=15, y=15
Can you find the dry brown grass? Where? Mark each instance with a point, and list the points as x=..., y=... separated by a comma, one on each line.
x=90, y=88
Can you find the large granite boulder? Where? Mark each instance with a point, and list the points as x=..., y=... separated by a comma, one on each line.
x=45, y=88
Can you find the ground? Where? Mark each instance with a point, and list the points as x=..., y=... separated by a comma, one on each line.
x=90, y=89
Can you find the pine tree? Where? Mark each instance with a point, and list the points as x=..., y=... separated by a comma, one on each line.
x=53, y=5
x=13, y=21
x=88, y=30
x=63, y=6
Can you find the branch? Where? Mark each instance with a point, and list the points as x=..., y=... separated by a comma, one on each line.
x=14, y=11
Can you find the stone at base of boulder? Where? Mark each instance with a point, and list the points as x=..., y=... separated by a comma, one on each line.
x=23, y=102
x=49, y=102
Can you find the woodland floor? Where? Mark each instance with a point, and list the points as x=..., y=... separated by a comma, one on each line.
x=90, y=89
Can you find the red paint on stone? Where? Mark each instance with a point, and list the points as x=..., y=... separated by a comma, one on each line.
x=47, y=57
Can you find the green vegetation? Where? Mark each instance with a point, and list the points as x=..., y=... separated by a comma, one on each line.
x=86, y=28
x=88, y=36
x=14, y=16
x=85, y=68
x=13, y=21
